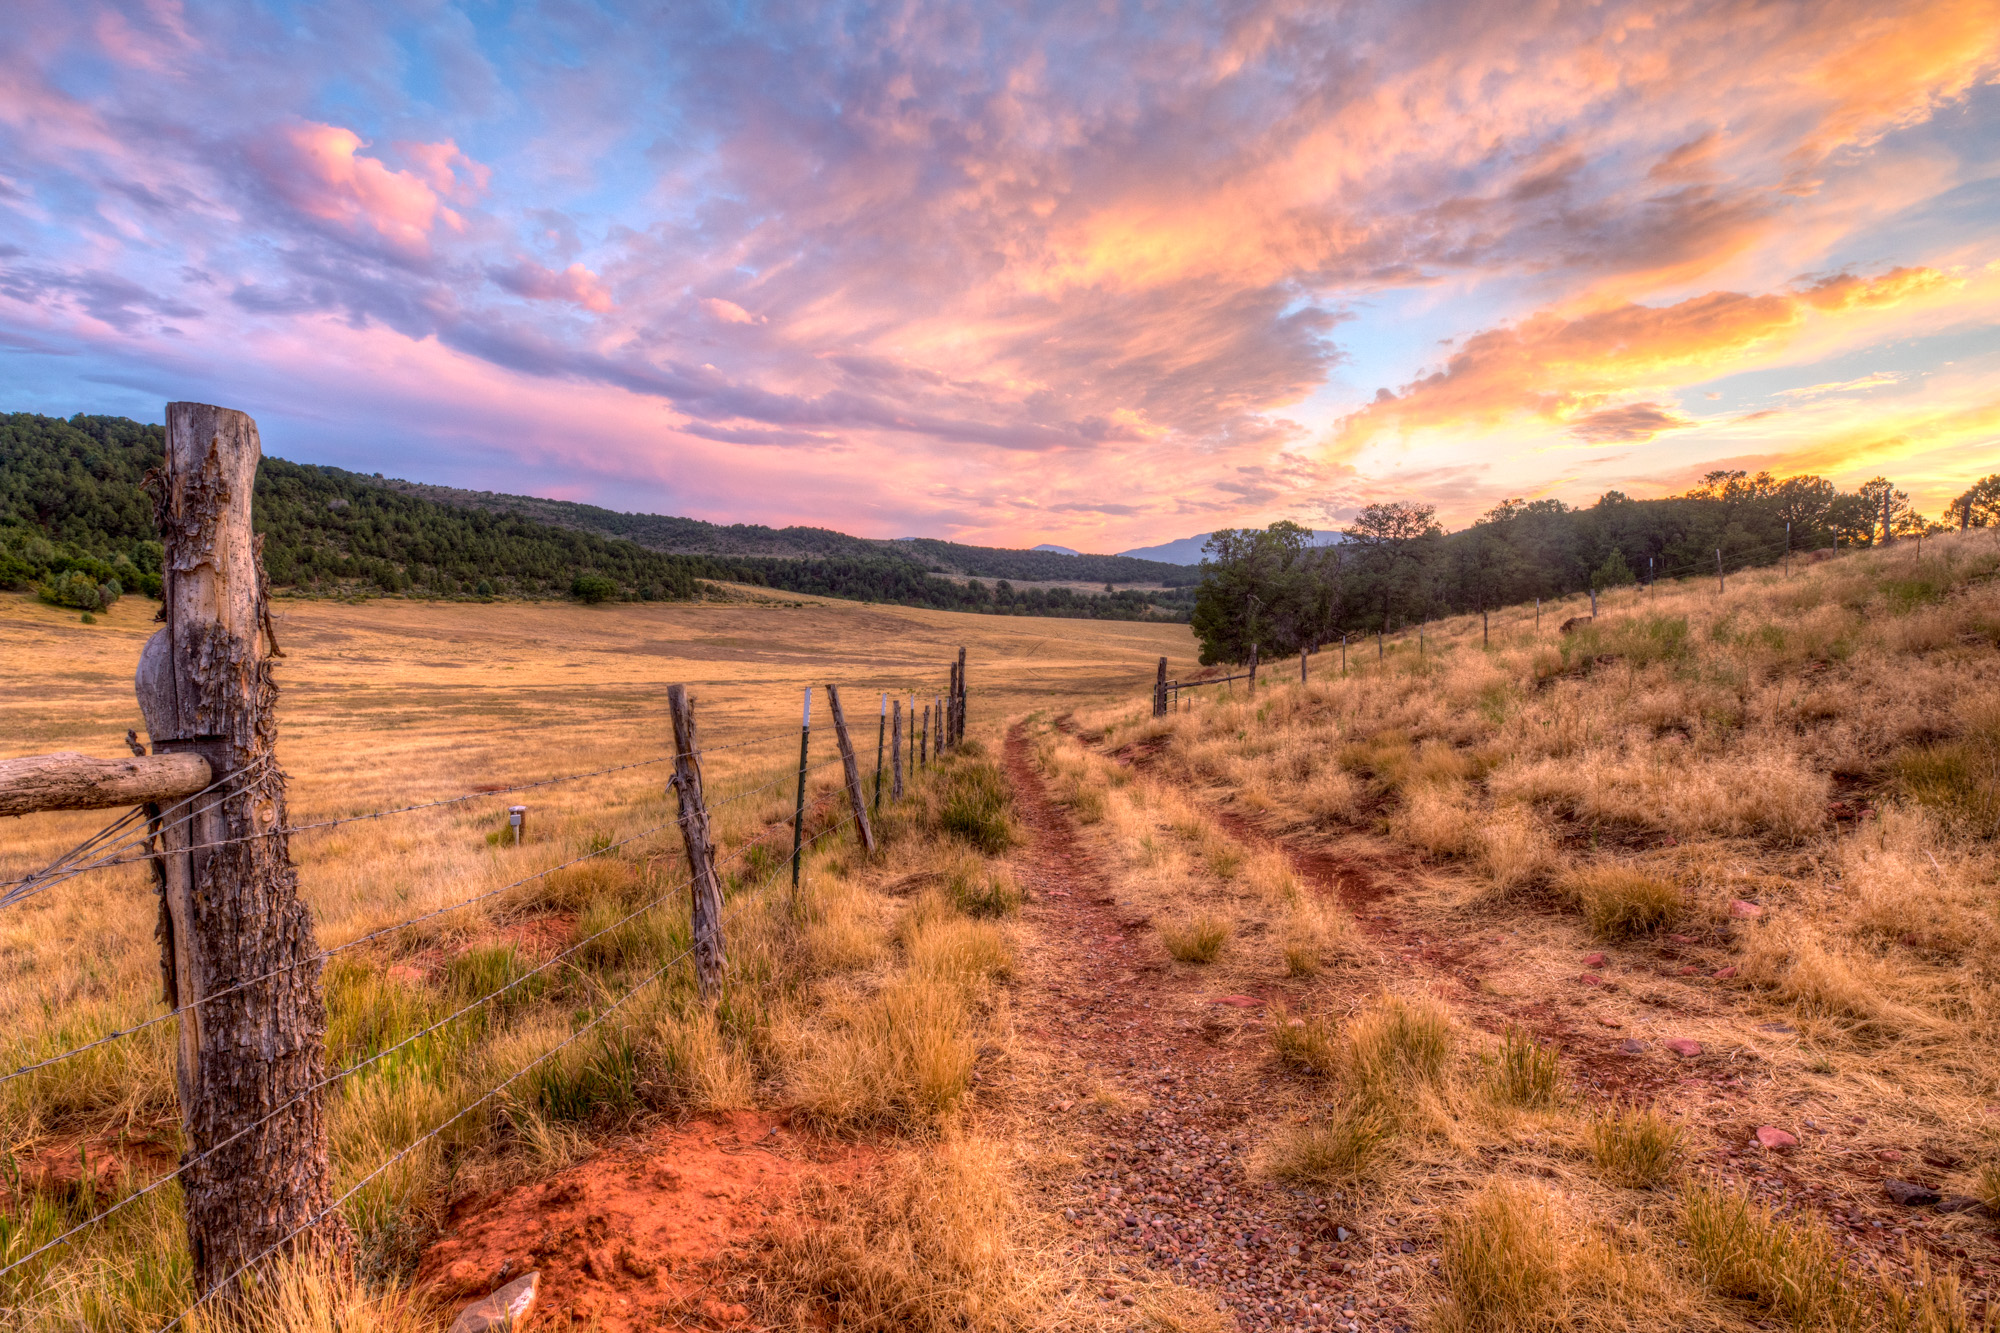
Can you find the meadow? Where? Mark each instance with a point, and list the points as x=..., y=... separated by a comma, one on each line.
x=1647, y=957
x=854, y=1009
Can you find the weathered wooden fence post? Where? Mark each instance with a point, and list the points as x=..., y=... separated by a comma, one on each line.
x=1160, y=689
x=1302, y=666
x=705, y=888
x=958, y=710
x=937, y=721
x=799, y=810
x=1718, y=569
x=1253, y=671
x=254, y=1054
x=896, y=750
x=924, y=739
x=851, y=769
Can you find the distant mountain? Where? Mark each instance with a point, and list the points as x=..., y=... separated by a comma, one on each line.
x=1059, y=550
x=1187, y=551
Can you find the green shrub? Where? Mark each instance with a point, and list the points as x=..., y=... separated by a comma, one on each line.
x=593, y=588
x=79, y=591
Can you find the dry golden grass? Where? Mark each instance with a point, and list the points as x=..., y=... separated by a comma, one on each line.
x=855, y=1005
x=1824, y=748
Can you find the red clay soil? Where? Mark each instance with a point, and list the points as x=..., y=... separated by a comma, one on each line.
x=1164, y=1185
x=638, y=1236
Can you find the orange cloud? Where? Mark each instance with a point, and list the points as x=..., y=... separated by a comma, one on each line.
x=1569, y=370
x=320, y=171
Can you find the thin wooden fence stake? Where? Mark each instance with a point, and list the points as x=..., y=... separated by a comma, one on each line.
x=924, y=740
x=1718, y=571
x=881, y=731
x=951, y=707
x=852, y=771
x=799, y=810
x=231, y=905
x=1160, y=689
x=896, y=750
x=1253, y=671
x=1343, y=655
x=1302, y=666
x=960, y=711
x=937, y=721
x=704, y=885
x=1485, y=630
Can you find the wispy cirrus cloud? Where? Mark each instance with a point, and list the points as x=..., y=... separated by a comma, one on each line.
x=1028, y=272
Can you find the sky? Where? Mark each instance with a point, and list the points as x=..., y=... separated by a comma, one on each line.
x=1099, y=274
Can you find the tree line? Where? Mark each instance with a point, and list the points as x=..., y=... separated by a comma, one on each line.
x=77, y=527
x=1396, y=566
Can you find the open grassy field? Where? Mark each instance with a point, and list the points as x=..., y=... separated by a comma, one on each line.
x=852, y=1010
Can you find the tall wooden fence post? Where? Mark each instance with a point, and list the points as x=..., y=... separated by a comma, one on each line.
x=1160, y=689
x=937, y=722
x=1253, y=671
x=705, y=886
x=958, y=713
x=1302, y=666
x=852, y=771
x=896, y=750
x=256, y=1053
x=1718, y=571
x=799, y=810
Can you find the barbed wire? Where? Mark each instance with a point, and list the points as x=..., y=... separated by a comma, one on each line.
x=115, y=856
x=463, y=1111
x=387, y=1051
x=356, y=943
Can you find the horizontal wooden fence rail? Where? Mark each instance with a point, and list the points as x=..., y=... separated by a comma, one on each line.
x=69, y=781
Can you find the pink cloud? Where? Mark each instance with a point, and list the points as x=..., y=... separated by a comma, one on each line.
x=319, y=169
x=728, y=311
x=575, y=284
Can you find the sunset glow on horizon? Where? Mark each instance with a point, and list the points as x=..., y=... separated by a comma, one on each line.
x=1104, y=276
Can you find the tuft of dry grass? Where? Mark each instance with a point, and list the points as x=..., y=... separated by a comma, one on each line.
x=1306, y=1043
x=1634, y=1146
x=1198, y=938
x=1500, y=1261
x=1619, y=901
x=1526, y=1073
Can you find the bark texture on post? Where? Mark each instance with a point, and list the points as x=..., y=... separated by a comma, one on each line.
x=704, y=885
x=231, y=904
x=937, y=740
x=1253, y=671
x=924, y=738
x=852, y=770
x=1160, y=689
x=896, y=750
x=70, y=781
x=951, y=708
x=1302, y=666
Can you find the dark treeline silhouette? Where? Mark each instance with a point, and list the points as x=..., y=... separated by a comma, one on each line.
x=77, y=526
x=1396, y=566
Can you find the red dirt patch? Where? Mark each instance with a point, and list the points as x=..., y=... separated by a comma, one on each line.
x=638, y=1237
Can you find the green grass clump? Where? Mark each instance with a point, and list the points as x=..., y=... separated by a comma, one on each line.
x=1959, y=779
x=1634, y=1146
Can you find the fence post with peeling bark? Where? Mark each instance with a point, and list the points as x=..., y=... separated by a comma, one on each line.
x=230, y=906
x=851, y=770
x=703, y=883
x=896, y=749
x=1160, y=689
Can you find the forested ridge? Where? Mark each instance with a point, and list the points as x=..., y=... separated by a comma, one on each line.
x=77, y=525
x=1396, y=566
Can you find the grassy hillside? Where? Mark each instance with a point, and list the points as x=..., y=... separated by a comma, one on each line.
x=1658, y=947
